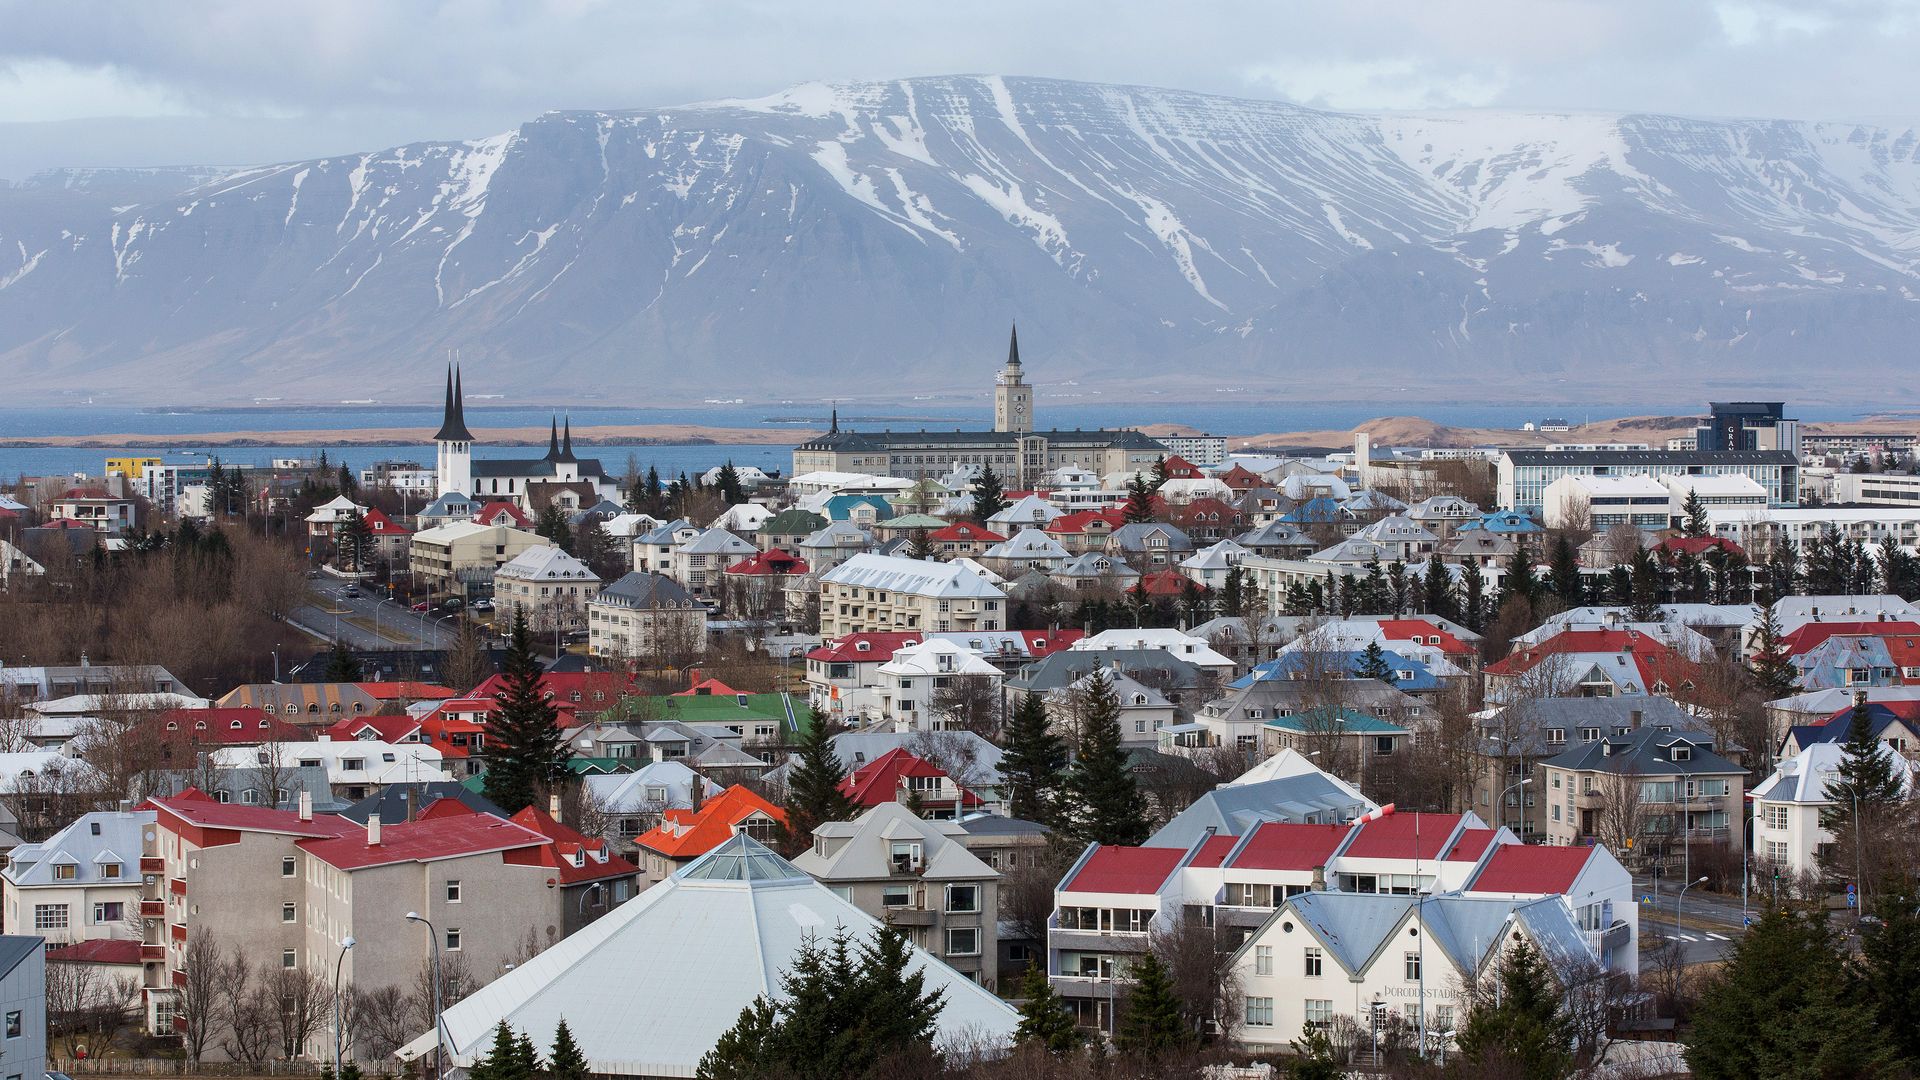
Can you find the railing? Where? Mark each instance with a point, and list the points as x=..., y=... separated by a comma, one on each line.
x=153, y=952
x=152, y=865
x=152, y=909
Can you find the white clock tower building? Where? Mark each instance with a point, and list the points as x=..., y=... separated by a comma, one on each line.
x=1012, y=397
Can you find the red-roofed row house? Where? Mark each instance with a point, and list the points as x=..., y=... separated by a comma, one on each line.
x=284, y=888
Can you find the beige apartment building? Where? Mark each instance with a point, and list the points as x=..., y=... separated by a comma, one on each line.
x=460, y=558
x=285, y=888
x=550, y=587
x=644, y=614
x=1651, y=793
x=916, y=875
x=879, y=593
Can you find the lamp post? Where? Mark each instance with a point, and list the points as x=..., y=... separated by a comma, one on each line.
x=1681, y=898
x=439, y=1023
x=1859, y=883
x=341, y=959
x=1503, y=802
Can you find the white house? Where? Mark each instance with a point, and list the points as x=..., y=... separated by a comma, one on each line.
x=1196, y=651
x=355, y=768
x=82, y=882
x=910, y=682
x=1787, y=805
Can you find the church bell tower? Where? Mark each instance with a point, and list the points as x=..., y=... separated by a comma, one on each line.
x=453, y=443
x=1012, y=396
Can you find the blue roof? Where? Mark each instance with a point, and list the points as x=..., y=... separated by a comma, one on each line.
x=840, y=507
x=1836, y=728
x=1349, y=721
x=1411, y=675
x=1830, y=663
x=1238, y=809
x=1320, y=508
x=1504, y=523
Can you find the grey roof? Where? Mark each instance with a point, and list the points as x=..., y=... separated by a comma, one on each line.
x=1276, y=534
x=589, y=468
x=663, y=533
x=1653, y=457
x=453, y=417
x=16, y=948
x=1235, y=810
x=1062, y=669
x=640, y=589
x=1133, y=536
x=121, y=841
x=718, y=541
x=994, y=825
x=1524, y=723
x=866, y=853
x=1646, y=753
x=1094, y=564
x=392, y=802
x=1355, y=927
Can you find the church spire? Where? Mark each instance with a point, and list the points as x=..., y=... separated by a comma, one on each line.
x=453, y=420
x=566, y=442
x=1013, y=347
x=833, y=426
x=553, y=440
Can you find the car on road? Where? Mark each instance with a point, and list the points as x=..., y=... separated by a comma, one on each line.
x=423, y=605
x=349, y=593
x=482, y=605
x=453, y=604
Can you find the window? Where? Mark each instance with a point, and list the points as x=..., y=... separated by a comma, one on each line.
x=906, y=855
x=1313, y=963
x=1263, y=959
x=1776, y=817
x=453, y=939
x=106, y=912
x=896, y=896
x=1443, y=1018
x=289, y=958
x=13, y=1023
x=453, y=890
x=110, y=870
x=1413, y=967
x=1776, y=851
x=1260, y=1012
x=64, y=871
x=963, y=899
x=1319, y=1012
x=1556, y=735
x=49, y=916
x=286, y=866
x=1682, y=753
x=963, y=941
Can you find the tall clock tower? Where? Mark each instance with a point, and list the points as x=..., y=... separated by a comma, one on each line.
x=1012, y=397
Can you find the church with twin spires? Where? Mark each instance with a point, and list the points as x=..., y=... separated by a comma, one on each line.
x=1018, y=452
x=575, y=482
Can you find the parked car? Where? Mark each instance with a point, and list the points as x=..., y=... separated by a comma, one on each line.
x=482, y=605
x=422, y=606
x=452, y=604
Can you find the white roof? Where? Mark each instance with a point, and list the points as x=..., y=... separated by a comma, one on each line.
x=1793, y=612
x=460, y=530
x=1183, y=645
x=1803, y=778
x=92, y=704
x=687, y=955
x=625, y=793
x=339, y=509
x=1028, y=510
x=926, y=659
x=915, y=576
x=986, y=575
x=1220, y=556
x=380, y=762
x=746, y=517
x=1185, y=490
x=631, y=525
x=1289, y=763
x=867, y=852
x=17, y=767
x=1613, y=485
x=1027, y=544
x=1722, y=486
x=546, y=562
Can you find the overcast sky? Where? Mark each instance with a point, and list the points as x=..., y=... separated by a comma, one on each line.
x=92, y=82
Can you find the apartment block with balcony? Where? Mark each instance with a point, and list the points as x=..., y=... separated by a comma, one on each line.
x=871, y=593
x=1660, y=788
x=919, y=876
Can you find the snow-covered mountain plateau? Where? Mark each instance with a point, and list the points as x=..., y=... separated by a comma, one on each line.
x=832, y=233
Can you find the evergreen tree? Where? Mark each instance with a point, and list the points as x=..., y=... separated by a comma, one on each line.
x=1865, y=777
x=342, y=665
x=356, y=543
x=347, y=484
x=1645, y=572
x=1152, y=1023
x=567, y=1061
x=1436, y=587
x=1563, y=575
x=1044, y=1018
x=595, y=546
x=1770, y=664
x=891, y=993
x=1519, y=580
x=1139, y=505
x=1524, y=1025
x=1033, y=763
x=526, y=1059
x=216, y=489
x=1696, y=523
x=1889, y=971
x=1783, y=571
x=727, y=484
x=918, y=547
x=1104, y=802
x=1373, y=664
x=1473, y=599
x=1234, y=594
x=1159, y=473
x=989, y=498
x=1399, y=596
x=1619, y=586
x=813, y=784
x=502, y=1060
x=1899, y=571
x=1193, y=602
x=553, y=525
x=1789, y=970
x=1315, y=1057
x=525, y=750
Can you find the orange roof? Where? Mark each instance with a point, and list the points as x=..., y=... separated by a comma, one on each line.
x=708, y=687
x=573, y=856
x=687, y=834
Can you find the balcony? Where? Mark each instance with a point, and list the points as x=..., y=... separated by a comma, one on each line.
x=1107, y=941
x=177, y=886
x=152, y=865
x=1616, y=936
x=1082, y=986
x=153, y=953
x=153, y=909
x=1241, y=917
x=179, y=931
x=911, y=916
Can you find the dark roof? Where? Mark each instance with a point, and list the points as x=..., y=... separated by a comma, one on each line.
x=17, y=947
x=1654, y=457
x=1013, y=346
x=453, y=419
x=1527, y=721
x=641, y=589
x=995, y=825
x=1063, y=669
x=1643, y=753
x=886, y=440
x=391, y=802
x=531, y=467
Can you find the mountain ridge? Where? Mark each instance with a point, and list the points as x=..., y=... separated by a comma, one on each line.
x=1144, y=236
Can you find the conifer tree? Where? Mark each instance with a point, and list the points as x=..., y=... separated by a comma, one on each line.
x=989, y=497
x=1105, y=805
x=1865, y=778
x=814, y=796
x=525, y=750
x=1373, y=664
x=356, y=543
x=1770, y=664
x=1647, y=584
x=1563, y=574
x=502, y=1060
x=1519, y=580
x=1234, y=594
x=526, y=1059
x=567, y=1061
x=347, y=484
x=342, y=665
x=1033, y=763
x=1473, y=598
x=553, y=525
x=1436, y=587
x=1524, y=1026
x=1159, y=473
x=918, y=546
x=1889, y=975
x=1899, y=570
x=1044, y=1018
x=1315, y=1057
x=1139, y=505
x=727, y=485
x=1152, y=1023
x=1696, y=522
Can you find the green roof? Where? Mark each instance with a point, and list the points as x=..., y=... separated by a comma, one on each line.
x=913, y=521
x=1349, y=721
x=721, y=708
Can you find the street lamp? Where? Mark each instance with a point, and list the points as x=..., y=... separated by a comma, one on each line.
x=1679, y=899
x=439, y=1023
x=1503, y=802
x=344, y=946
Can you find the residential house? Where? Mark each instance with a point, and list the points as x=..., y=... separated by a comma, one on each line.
x=307, y=704
x=935, y=685
x=547, y=587
x=1096, y=573
x=1149, y=546
x=1592, y=663
x=1028, y=549
x=1352, y=742
x=1210, y=567
x=82, y=882
x=97, y=509
x=684, y=835
x=645, y=614
x=355, y=768
x=1788, y=838
x=653, y=550
x=633, y=803
x=1144, y=711
x=962, y=538
x=899, y=776
x=700, y=563
x=877, y=592
x=1668, y=790
x=459, y=559
x=1515, y=738
x=784, y=530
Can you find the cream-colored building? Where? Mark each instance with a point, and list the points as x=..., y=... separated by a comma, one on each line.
x=645, y=614
x=460, y=557
x=547, y=585
x=875, y=593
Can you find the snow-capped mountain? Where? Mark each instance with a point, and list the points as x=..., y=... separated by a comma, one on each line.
x=832, y=232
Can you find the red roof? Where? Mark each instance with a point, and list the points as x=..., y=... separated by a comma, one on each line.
x=1241, y=478
x=569, y=691
x=1531, y=868
x=879, y=780
x=382, y=525
x=775, y=563
x=1044, y=643
x=1809, y=636
x=1695, y=545
x=1179, y=468
x=1134, y=870
x=1281, y=845
x=1214, y=851
x=595, y=859
x=97, y=951
x=422, y=840
x=965, y=532
x=1392, y=837
x=879, y=648
x=708, y=687
x=387, y=729
x=240, y=727
x=1199, y=508
x=65, y=523
x=195, y=807
x=687, y=834
x=1419, y=631
x=1653, y=660
x=89, y=493
x=405, y=691
x=1078, y=521
x=1472, y=843
x=1165, y=583
x=490, y=514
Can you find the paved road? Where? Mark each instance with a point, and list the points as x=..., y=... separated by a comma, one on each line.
x=1709, y=922
x=366, y=623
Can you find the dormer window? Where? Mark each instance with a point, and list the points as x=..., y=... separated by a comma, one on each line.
x=1682, y=753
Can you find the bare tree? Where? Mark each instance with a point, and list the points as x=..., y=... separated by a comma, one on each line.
x=1199, y=958
x=86, y=1007
x=966, y=703
x=247, y=1007
x=197, y=995
x=306, y=1004
x=383, y=1022
x=955, y=753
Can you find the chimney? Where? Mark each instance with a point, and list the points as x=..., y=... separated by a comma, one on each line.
x=373, y=830
x=306, y=805
x=1635, y=716
x=553, y=806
